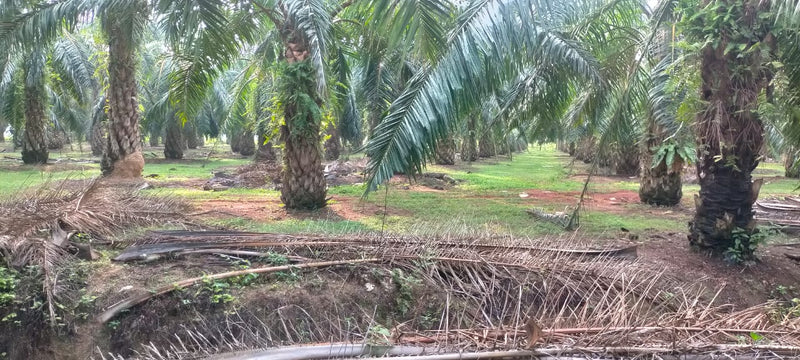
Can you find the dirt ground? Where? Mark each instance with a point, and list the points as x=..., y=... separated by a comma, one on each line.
x=271, y=209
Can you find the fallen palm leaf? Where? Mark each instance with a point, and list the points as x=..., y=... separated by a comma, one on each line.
x=36, y=224
x=166, y=242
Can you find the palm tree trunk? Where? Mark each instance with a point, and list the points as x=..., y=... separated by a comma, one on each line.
x=34, y=140
x=154, y=138
x=586, y=149
x=246, y=145
x=123, y=154
x=333, y=145
x=486, y=145
x=265, y=152
x=729, y=133
x=469, y=150
x=190, y=134
x=791, y=164
x=173, y=141
x=304, y=185
x=627, y=161
x=98, y=136
x=56, y=138
x=660, y=185
x=501, y=148
x=446, y=152
x=234, y=139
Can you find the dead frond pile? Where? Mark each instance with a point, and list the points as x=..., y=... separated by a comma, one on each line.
x=473, y=295
x=36, y=225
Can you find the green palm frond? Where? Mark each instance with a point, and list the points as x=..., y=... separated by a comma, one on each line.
x=204, y=45
x=66, y=113
x=71, y=60
x=423, y=22
x=438, y=96
x=41, y=24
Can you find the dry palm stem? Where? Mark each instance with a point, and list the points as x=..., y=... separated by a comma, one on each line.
x=332, y=351
x=136, y=300
x=159, y=242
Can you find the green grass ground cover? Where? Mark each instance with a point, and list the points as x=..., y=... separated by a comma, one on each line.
x=486, y=200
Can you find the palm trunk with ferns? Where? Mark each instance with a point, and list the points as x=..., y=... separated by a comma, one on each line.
x=34, y=141
x=729, y=132
x=304, y=185
x=265, y=151
x=660, y=184
x=123, y=154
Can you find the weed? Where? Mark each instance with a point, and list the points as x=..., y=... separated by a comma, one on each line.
x=405, y=284
x=8, y=284
x=217, y=290
x=277, y=259
x=746, y=243
x=786, y=310
x=378, y=335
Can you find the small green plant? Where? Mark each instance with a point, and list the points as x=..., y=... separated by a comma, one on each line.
x=291, y=276
x=756, y=337
x=277, y=259
x=217, y=289
x=405, y=284
x=745, y=243
x=674, y=156
x=8, y=284
x=378, y=335
x=113, y=324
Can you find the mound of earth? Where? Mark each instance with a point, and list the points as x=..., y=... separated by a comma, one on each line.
x=254, y=175
x=348, y=172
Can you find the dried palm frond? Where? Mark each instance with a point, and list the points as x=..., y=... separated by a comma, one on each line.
x=36, y=224
x=489, y=288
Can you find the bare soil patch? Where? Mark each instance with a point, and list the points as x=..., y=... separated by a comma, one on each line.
x=742, y=285
x=270, y=209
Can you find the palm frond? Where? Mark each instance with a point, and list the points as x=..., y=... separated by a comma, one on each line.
x=205, y=45
x=71, y=61
x=439, y=95
x=42, y=23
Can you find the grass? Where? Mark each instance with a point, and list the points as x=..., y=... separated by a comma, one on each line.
x=485, y=201
x=75, y=164
x=296, y=226
x=21, y=177
x=181, y=170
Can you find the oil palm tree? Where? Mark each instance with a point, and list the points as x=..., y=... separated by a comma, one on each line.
x=122, y=22
x=53, y=82
x=738, y=61
x=300, y=42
